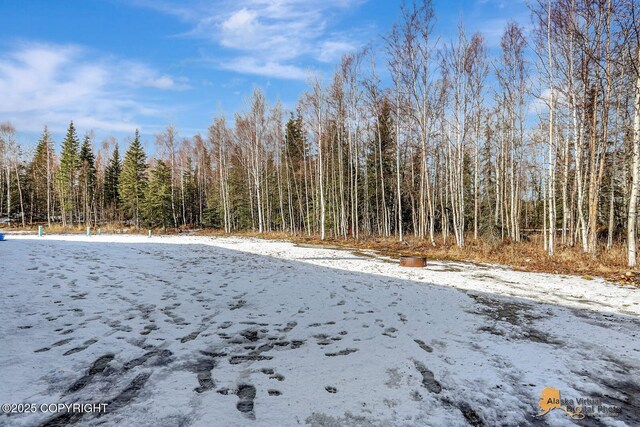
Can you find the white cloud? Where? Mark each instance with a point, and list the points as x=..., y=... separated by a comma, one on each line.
x=268, y=37
x=52, y=84
x=239, y=27
x=249, y=65
x=140, y=75
x=540, y=103
x=332, y=50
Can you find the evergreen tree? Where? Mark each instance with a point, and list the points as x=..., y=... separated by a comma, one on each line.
x=40, y=176
x=133, y=180
x=295, y=149
x=68, y=172
x=87, y=178
x=381, y=161
x=157, y=202
x=111, y=180
x=189, y=191
x=295, y=142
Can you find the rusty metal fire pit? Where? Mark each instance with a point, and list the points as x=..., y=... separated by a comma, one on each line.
x=413, y=261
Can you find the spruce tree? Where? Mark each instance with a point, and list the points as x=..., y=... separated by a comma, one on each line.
x=111, y=180
x=133, y=180
x=87, y=178
x=40, y=177
x=189, y=192
x=295, y=141
x=157, y=203
x=295, y=148
x=68, y=172
x=381, y=159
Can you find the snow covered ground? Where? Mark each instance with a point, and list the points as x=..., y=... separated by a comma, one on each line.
x=199, y=331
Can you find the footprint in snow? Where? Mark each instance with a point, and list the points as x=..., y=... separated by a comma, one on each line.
x=423, y=345
x=428, y=380
x=246, y=393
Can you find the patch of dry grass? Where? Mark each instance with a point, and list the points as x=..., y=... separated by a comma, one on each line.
x=528, y=255
x=524, y=256
x=76, y=229
x=82, y=229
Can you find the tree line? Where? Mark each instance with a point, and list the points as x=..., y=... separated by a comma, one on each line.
x=457, y=144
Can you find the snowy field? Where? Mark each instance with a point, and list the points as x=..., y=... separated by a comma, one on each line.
x=199, y=331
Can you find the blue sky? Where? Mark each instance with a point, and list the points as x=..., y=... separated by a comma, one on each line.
x=114, y=65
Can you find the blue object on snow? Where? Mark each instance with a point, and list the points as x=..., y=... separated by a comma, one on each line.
x=1, y=237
